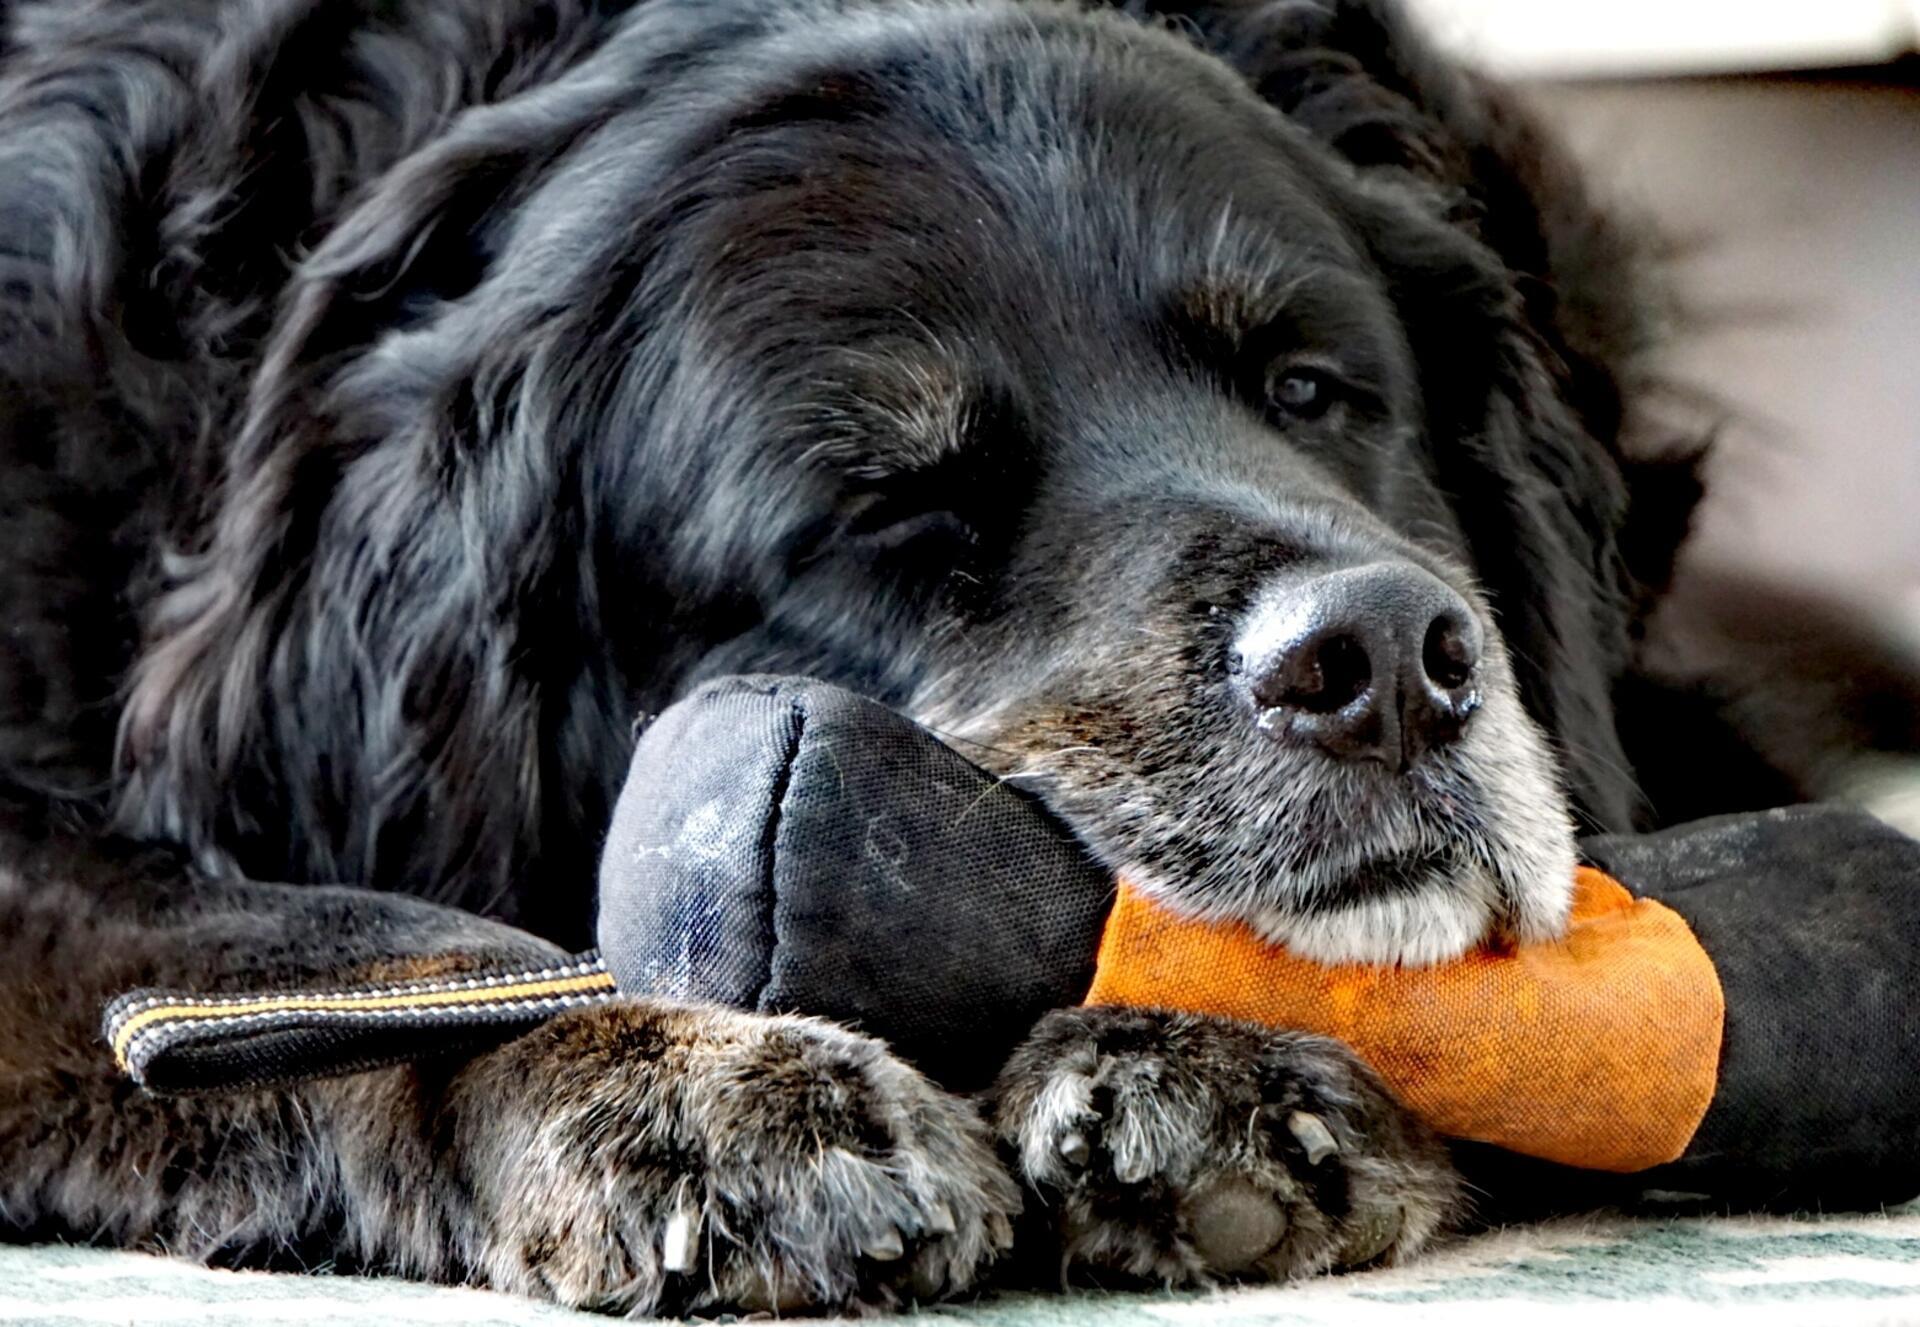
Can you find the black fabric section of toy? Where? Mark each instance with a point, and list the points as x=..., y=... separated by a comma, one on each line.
x=223, y=1059
x=687, y=873
x=912, y=894
x=1812, y=917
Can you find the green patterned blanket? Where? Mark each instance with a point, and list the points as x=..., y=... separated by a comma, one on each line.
x=1814, y=1270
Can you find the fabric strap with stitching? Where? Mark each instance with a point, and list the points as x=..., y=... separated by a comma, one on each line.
x=173, y=1041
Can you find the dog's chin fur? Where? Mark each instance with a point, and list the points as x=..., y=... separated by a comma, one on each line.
x=1513, y=879
x=1431, y=922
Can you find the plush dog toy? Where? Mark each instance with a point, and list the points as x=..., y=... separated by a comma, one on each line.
x=1749, y=1007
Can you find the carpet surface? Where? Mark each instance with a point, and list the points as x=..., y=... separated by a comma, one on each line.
x=1773, y=1270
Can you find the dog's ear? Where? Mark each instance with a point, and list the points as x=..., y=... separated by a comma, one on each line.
x=427, y=233
x=419, y=236
x=198, y=710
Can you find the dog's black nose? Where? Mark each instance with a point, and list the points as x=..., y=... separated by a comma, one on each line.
x=1370, y=663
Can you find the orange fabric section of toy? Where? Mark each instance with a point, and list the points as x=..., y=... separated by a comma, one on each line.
x=1600, y=1049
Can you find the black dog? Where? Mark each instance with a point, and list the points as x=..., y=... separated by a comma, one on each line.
x=1215, y=422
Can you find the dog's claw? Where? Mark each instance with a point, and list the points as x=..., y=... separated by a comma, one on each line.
x=1311, y=1132
x=940, y=1220
x=676, y=1242
x=1074, y=1150
x=885, y=1247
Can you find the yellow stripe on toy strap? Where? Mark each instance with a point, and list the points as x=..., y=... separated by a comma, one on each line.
x=219, y=1008
x=1600, y=1049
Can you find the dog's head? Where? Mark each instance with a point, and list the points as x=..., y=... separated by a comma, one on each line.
x=1105, y=420
x=1031, y=371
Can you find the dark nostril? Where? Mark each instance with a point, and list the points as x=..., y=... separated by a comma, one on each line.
x=1319, y=676
x=1450, y=652
x=1344, y=673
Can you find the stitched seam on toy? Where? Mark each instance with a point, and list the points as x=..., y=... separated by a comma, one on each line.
x=129, y=1018
x=429, y=1011
x=782, y=783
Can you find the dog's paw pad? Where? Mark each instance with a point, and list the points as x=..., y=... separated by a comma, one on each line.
x=1234, y=1224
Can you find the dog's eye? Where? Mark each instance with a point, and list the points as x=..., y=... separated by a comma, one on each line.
x=879, y=526
x=882, y=521
x=1294, y=392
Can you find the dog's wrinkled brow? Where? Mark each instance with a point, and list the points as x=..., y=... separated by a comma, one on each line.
x=889, y=409
x=1328, y=315
x=1230, y=305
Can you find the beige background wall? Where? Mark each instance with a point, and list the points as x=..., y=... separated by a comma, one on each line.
x=1800, y=202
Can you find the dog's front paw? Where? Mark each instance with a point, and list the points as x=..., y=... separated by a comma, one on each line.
x=1182, y=1149
x=642, y=1159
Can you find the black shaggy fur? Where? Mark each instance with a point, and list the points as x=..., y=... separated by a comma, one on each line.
x=395, y=400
